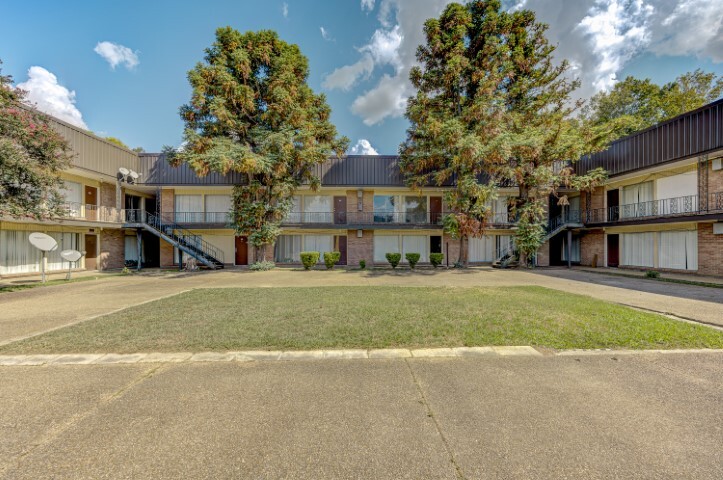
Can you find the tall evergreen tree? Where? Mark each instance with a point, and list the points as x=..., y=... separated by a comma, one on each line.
x=252, y=112
x=32, y=154
x=491, y=101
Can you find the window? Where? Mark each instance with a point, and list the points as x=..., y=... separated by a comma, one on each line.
x=415, y=209
x=637, y=249
x=678, y=250
x=189, y=208
x=317, y=209
x=637, y=200
x=384, y=208
x=17, y=255
x=131, y=249
x=218, y=208
x=499, y=210
x=384, y=244
x=294, y=215
x=575, y=249
x=482, y=249
x=287, y=249
x=415, y=244
x=72, y=192
x=319, y=243
x=503, y=244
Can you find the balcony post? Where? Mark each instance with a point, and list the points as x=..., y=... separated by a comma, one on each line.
x=139, y=244
x=569, y=248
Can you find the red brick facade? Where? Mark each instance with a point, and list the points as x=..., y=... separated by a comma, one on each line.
x=360, y=248
x=112, y=249
x=592, y=244
x=710, y=250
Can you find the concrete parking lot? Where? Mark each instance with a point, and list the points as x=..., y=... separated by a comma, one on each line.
x=644, y=415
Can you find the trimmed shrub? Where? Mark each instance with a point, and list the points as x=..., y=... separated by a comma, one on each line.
x=412, y=258
x=362, y=264
x=652, y=274
x=309, y=259
x=331, y=259
x=393, y=259
x=436, y=259
x=262, y=266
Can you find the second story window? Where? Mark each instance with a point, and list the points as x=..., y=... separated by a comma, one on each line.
x=415, y=209
x=189, y=208
x=317, y=209
x=218, y=208
x=72, y=192
x=384, y=208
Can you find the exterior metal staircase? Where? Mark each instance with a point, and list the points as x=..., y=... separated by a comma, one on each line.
x=507, y=259
x=179, y=237
x=568, y=219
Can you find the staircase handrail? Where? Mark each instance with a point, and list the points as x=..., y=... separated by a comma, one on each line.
x=209, y=251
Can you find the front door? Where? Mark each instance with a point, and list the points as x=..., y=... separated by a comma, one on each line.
x=242, y=251
x=91, y=252
x=613, y=205
x=435, y=210
x=613, y=250
x=340, y=241
x=340, y=210
x=91, y=203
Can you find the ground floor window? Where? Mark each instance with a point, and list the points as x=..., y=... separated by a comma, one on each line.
x=289, y=247
x=488, y=248
x=678, y=250
x=637, y=249
x=17, y=255
x=131, y=249
x=575, y=249
x=403, y=244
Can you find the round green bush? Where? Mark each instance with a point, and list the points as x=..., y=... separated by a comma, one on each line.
x=309, y=259
x=362, y=264
x=412, y=258
x=393, y=259
x=331, y=259
x=436, y=259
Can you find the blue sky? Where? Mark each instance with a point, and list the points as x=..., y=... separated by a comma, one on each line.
x=361, y=62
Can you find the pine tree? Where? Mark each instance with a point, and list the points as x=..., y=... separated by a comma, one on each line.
x=32, y=154
x=252, y=112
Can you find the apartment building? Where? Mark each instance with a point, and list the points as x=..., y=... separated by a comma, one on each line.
x=662, y=208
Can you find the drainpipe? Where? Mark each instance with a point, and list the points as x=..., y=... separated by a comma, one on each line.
x=139, y=244
x=569, y=248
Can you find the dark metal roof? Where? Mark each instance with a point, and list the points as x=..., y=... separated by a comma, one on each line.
x=350, y=171
x=688, y=135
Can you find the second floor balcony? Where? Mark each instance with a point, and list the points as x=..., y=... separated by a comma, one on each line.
x=690, y=205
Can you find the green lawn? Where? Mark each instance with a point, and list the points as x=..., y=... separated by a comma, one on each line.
x=371, y=317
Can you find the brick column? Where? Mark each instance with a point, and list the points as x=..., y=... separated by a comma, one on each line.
x=710, y=251
x=112, y=249
x=360, y=248
x=592, y=243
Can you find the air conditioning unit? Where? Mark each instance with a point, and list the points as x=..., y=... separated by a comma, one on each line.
x=718, y=164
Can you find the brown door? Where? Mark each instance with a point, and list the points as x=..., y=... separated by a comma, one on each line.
x=613, y=205
x=91, y=203
x=340, y=210
x=613, y=250
x=341, y=248
x=435, y=210
x=242, y=251
x=91, y=252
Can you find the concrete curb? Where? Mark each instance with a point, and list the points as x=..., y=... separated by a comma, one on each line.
x=278, y=355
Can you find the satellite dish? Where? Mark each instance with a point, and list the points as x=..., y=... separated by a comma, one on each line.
x=134, y=175
x=123, y=171
x=71, y=255
x=43, y=242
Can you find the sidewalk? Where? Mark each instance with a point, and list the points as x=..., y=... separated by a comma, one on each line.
x=640, y=273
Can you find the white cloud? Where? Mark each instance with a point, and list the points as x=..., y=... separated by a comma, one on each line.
x=116, y=54
x=694, y=27
x=343, y=78
x=617, y=30
x=363, y=147
x=367, y=5
x=384, y=47
x=325, y=34
x=47, y=95
x=285, y=10
x=387, y=99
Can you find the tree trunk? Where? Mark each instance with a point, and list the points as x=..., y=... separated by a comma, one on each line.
x=460, y=260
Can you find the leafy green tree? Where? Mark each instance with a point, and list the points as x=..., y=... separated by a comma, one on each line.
x=634, y=104
x=32, y=155
x=117, y=141
x=491, y=103
x=252, y=112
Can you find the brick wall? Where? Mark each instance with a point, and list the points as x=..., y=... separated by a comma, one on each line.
x=167, y=199
x=715, y=180
x=543, y=255
x=166, y=254
x=360, y=248
x=352, y=201
x=107, y=195
x=597, y=199
x=112, y=249
x=710, y=251
x=450, y=247
x=592, y=243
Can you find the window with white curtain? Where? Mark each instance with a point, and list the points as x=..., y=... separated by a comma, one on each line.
x=415, y=244
x=17, y=255
x=72, y=192
x=678, y=250
x=218, y=208
x=66, y=241
x=319, y=243
x=318, y=209
x=189, y=208
x=384, y=244
x=504, y=244
x=575, y=250
x=637, y=249
x=637, y=200
x=481, y=249
x=294, y=215
x=131, y=248
x=287, y=249
x=499, y=210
